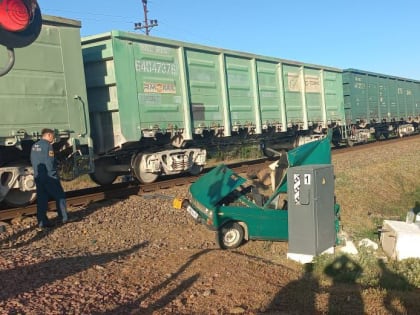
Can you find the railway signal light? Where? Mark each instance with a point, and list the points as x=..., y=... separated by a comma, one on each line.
x=20, y=25
x=14, y=15
x=20, y=22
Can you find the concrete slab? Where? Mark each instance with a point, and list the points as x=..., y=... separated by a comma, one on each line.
x=400, y=240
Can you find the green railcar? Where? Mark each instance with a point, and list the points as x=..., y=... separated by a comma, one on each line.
x=45, y=89
x=380, y=104
x=148, y=89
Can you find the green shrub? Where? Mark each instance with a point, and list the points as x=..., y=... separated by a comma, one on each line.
x=368, y=270
x=407, y=273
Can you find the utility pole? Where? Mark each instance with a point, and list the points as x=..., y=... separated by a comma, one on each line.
x=147, y=24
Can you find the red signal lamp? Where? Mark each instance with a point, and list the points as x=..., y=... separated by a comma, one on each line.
x=20, y=25
x=20, y=22
x=15, y=15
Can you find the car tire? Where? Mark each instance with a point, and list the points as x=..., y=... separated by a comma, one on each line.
x=230, y=236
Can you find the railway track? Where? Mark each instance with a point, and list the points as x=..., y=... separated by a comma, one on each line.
x=123, y=190
x=370, y=145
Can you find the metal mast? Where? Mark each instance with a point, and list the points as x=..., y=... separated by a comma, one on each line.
x=147, y=24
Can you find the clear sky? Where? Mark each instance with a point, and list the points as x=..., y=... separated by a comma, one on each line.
x=378, y=36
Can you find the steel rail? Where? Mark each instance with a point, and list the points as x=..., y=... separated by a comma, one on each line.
x=83, y=197
x=126, y=189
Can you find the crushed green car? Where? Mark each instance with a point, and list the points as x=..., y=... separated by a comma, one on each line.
x=228, y=204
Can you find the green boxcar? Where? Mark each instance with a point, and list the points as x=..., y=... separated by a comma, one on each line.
x=45, y=88
x=143, y=87
x=380, y=101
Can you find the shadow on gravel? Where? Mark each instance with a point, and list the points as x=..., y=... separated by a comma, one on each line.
x=391, y=281
x=14, y=238
x=261, y=259
x=297, y=297
x=345, y=294
x=52, y=270
x=76, y=216
x=17, y=242
x=133, y=307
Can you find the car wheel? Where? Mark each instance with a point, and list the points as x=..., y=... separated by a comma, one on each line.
x=230, y=236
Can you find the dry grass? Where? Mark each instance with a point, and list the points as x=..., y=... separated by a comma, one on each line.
x=376, y=184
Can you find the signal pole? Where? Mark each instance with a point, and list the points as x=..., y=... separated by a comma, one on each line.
x=147, y=24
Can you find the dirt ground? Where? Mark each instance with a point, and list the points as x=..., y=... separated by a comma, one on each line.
x=141, y=256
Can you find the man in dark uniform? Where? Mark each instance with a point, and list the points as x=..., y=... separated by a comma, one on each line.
x=46, y=179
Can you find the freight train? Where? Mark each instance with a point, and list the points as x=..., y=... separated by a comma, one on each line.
x=45, y=88
x=379, y=105
x=124, y=103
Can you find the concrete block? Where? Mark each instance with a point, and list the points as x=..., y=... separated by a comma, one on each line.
x=400, y=240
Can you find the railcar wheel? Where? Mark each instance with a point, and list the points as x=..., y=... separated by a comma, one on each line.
x=195, y=169
x=230, y=236
x=101, y=176
x=18, y=198
x=140, y=171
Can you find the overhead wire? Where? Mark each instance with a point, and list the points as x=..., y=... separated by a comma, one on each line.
x=162, y=31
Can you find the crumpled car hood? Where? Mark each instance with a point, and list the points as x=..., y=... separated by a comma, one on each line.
x=212, y=187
